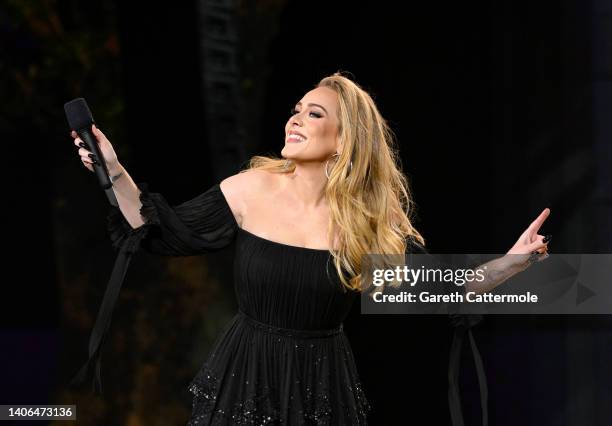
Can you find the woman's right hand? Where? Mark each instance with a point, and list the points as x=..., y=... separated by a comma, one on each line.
x=106, y=148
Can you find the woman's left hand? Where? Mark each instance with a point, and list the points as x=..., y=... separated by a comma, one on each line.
x=530, y=247
x=530, y=241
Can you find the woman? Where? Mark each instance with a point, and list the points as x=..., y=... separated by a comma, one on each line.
x=301, y=225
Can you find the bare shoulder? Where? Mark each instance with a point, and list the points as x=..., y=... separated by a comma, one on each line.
x=242, y=187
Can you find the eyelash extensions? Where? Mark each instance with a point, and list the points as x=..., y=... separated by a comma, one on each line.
x=294, y=111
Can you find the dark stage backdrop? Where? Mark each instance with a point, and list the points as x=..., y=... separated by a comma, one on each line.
x=500, y=109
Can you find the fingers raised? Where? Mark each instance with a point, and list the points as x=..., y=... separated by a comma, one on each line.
x=537, y=223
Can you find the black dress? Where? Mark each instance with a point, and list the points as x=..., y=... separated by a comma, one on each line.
x=284, y=357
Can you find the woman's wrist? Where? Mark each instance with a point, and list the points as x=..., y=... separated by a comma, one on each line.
x=516, y=263
x=115, y=172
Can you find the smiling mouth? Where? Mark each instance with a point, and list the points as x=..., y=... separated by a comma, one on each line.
x=295, y=139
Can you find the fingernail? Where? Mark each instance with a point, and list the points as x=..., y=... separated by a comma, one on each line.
x=82, y=145
x=547, y=238
x=95, y=162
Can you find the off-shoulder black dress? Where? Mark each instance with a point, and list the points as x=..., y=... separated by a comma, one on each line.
x=283, y=358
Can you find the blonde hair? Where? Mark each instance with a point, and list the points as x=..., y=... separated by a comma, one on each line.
x=369, y=201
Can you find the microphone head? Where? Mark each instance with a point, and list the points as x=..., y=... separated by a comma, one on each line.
x=78, y=114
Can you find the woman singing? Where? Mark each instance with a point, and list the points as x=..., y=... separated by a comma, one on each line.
x=301, y=225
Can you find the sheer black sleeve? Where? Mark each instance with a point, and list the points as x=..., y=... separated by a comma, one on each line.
x=201, y=225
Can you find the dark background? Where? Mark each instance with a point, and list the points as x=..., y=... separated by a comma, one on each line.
x=501, y=108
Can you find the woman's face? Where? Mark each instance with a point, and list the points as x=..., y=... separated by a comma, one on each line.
x=311, y=133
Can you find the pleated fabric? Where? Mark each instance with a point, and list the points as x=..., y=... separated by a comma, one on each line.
x=284, y=357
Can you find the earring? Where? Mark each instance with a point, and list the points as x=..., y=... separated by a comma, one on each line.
x=327, y=163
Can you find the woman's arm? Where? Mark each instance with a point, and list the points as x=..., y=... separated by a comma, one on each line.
x=530, y=247
x=126, y=191
x=497, y=271
x=128, y=196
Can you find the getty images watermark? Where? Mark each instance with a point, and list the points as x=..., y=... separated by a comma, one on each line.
x=459, y=277
x=487, y=284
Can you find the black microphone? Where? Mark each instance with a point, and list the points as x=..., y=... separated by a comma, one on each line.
x=80, y=120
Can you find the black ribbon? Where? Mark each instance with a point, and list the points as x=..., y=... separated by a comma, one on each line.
x=127, y=248
x=463, y=325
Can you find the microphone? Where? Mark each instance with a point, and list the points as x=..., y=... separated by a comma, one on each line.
x=80, y=120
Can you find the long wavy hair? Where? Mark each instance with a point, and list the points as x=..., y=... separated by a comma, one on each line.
x=370, y=201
